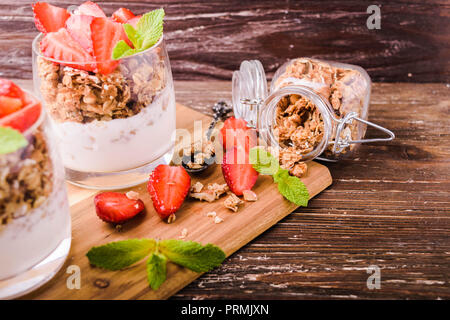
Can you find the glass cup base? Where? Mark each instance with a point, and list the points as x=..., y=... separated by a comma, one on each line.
x=117, y=179
x=38, y=275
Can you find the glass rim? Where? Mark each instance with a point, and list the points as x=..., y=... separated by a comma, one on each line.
x=36, y=50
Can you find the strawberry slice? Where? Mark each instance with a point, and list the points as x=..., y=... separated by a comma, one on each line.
x=11, y=90
x=235, y=132
x=90, y=8
x=237, y=170
x=48, y=18
x=168, y=186
x=105, y=35
x=134, y=21
x=24, y=118
x=79, y=27
x=122, y=15
x=61, y=46
x=116, y=207
x=9, y=105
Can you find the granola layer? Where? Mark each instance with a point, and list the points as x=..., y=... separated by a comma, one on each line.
x=80, y=96
x=25, y=179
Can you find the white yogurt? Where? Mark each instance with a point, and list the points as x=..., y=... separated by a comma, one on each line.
x=119, y=144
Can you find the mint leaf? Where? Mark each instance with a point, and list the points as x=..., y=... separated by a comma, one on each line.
x=131, y=34
x=121, y=254
x=263, y=162
x=192, y=255
x=11, y=140
x=280, y=175
x=156, y=270
x=293, y=189
x=148, y=31
x=122, y=50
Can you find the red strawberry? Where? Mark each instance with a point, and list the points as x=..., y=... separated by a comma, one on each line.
x=168, y=186
x=48, y=18
x=11, y=90
x=9, y=105
x=90, y=8
x=235, y=132
x=105, y=34
x=79, y=27
x=24, y=118
x=237, y=171
x=134, y=21
x=116, y=207
x=122, y=15
x=61, y=46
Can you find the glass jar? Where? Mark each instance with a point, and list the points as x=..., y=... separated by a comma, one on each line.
x=317, y=108
x=35, y=233
x=111, y=129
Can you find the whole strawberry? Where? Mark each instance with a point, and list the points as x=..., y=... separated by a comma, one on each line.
x=116, y=207
x=168, y=187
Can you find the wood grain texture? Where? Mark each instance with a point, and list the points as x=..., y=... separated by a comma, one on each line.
x=388, y=206
x=236, y=230
x=208, y=39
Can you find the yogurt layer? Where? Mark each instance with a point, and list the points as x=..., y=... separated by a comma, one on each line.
x=119, y=144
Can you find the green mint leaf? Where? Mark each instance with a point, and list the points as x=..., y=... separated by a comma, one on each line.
x=292, y=188
x=281, y=175
x=11, y=140
x=120, y=254
x=131, y=34
x=150, y=28
x=263, y=162
x=192, y=255
x=122, y=50
x=156, y=270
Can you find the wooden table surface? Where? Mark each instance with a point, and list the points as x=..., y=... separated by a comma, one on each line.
x=389, y=206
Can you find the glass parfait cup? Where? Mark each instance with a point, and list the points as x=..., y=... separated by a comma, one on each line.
x=113, y=129
x=35, y=225
x=335, y=95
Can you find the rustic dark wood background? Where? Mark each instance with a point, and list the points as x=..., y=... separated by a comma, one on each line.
x=208, y=39
x=389, y=206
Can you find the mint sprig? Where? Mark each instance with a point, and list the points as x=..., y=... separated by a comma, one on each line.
x=292, y=188
x=148, y=31
x=121, y=254
x=11, y=140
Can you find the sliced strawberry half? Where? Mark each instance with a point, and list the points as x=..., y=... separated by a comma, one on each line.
x=90, y=8
x=237, y=170
x=116, y=207
x=24, y=118
x=122, y=15
x=79, y=27
x=61, y=46
x=168, y=187
x=235, y=132
x=9, y=105
x=134, y=21
x=11, y=90
x=105, y=35
x=48, y=18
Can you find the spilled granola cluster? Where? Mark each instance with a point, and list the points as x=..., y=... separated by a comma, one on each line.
x=299, y=125
x=80, y=96
x=25, y=179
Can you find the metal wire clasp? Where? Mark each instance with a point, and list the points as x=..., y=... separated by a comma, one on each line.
x=341, y=143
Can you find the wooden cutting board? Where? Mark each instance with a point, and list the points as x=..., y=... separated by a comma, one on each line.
x=237, y=229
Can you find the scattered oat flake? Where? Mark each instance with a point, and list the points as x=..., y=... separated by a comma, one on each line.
x=132, y=195
x=171, y=218
x=249, y=195
x=218, y=220
x=183, y=233
x=211, y=214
